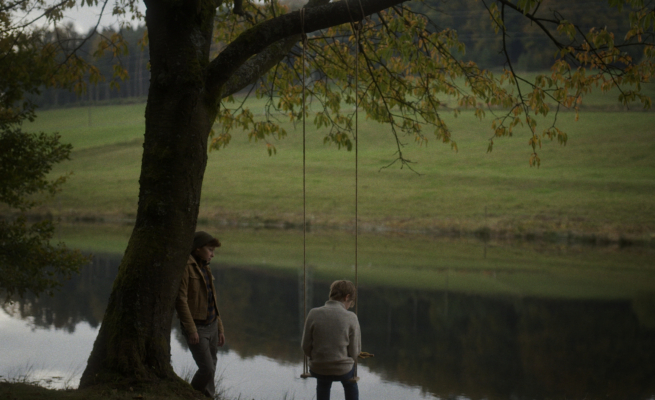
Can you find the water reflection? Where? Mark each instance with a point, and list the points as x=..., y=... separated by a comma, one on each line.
x=81, y=299
x=434, y=343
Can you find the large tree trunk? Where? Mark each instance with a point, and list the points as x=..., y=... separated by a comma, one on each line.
x=134, y=339
x=185, y=88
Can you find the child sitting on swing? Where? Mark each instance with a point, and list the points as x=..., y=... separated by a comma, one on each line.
x=332, y=341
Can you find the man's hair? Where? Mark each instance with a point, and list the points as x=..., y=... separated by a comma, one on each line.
x=340, y=289
x=202, y=238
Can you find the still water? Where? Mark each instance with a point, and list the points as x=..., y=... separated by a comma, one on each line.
x=428, y=344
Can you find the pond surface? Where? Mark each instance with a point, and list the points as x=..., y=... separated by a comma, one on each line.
x=428, y=343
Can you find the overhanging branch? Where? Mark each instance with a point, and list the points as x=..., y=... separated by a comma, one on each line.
x=257, y=39
x=258, y=65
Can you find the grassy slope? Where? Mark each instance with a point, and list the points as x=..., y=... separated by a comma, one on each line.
x=601, y=182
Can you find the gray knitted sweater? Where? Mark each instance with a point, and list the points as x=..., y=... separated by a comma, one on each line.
x=331, y=339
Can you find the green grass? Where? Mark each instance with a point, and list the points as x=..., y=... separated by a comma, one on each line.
x=601, y=183
x=418, y=261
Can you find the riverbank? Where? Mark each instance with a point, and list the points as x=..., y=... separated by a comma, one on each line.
x=572, y=231
x=411, y=261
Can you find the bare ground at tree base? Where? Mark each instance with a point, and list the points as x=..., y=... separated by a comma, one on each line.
x=158, y=391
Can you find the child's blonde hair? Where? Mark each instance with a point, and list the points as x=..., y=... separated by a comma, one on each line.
x=340, y=289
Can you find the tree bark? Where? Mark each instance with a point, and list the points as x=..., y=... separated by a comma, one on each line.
x=133, y=343
x=134, y=339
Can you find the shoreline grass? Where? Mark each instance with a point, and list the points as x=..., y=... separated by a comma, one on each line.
x=418, y=262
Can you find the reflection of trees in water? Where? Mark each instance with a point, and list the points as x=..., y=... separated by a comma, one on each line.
x=449, y=343
x=508, y=347
x=590, y=347
x=446, y=343
x=260, y=313
x=82, y=298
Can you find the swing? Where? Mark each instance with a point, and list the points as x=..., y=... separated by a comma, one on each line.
x=356, y=27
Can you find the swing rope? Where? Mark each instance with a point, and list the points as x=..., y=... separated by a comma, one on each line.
x=356, y=27
x=356, y=158
x=305, y=365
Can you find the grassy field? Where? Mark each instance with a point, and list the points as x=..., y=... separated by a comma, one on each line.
x=600, y=185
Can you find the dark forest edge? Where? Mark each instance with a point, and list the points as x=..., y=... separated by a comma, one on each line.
x=528, y=49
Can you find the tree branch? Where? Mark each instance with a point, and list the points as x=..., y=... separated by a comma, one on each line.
x=260, y=37
x=258, y=65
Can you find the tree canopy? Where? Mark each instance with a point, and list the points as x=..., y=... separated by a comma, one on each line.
x=28, y=261
x=31, y=58
x=415, y=68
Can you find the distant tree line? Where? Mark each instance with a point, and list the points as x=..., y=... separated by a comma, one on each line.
x=529, y=49
x=125, y=53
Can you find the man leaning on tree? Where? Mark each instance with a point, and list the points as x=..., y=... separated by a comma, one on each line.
x=197, y=308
